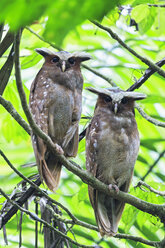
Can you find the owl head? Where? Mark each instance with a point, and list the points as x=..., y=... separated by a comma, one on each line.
x=63, y=60
x=115, y=99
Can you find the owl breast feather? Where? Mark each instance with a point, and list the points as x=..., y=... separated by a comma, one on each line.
x=60, y=113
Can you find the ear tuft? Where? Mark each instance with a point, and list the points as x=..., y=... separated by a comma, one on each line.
x=98, y=91
x=44, y=52
x=135, y=95
x=83, y=56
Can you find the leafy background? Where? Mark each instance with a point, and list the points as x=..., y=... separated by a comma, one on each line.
x=66, y=24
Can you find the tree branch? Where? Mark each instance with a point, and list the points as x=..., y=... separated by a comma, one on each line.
x=95, y=228
x=157, y=5
x=123, y=44
x=12, y=111
x=44, y=40
x=154, y=209
x=34, y=185
x=139, y=239
x=73, y=220
x=6, y=42
x=148, y=73
x=149, y=118
x=56, y=148
x=153, y=165
x=161, y=193
x=36, y=218
x=109, y=80
x=6, y=70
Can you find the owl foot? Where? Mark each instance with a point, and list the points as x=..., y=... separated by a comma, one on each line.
x=58, y=148
x=113, y=186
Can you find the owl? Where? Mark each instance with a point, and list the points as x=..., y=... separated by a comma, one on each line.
x=112, y=144
x=55, y=103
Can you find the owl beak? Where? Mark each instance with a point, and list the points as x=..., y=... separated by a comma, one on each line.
x=63, y=66
x=115, y=108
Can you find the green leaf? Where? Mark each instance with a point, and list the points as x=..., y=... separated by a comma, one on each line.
x=140, y=12
x=146, y=23
x=66, y=13
x=129, y=217
x=137, y=2
x=83, y=193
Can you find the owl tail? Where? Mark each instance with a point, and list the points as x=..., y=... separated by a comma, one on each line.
x=108, y=213
x=51, y=172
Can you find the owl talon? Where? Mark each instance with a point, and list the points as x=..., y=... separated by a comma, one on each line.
x=59, y=149
x=114, y=186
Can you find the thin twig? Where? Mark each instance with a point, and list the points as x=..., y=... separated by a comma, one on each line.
x=84, y=175
x=36, y=218
x=109, y=80
x=12, y=111
x=44, y=40
x=154, y=209
x=149, y=118
x=157, y=5
x=161, y=193
x=153, y=165
x=95, y=228
x=123, y=44
x=148, y=73
x=34, y=185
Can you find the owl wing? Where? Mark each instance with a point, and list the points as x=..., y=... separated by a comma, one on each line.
x=39, y=111
x=91, y=154
x=71, y=139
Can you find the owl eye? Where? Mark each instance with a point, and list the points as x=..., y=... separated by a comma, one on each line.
x=55, y=59
x=124, y=100
x=71, y=61
x=107, y=99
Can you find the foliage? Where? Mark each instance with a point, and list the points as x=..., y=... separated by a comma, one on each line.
x=66, y=23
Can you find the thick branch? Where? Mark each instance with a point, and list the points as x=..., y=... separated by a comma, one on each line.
x=25, y=107
x=13, y=210
x=6, y=42
x=1, y=30
x=154, y=209
x=123, y=44
x=6, y=70
x=84, y=175
x=139, y=239
x=73, y=220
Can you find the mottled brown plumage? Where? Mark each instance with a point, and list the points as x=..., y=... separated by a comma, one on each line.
x=55, y=102
x=112, y=144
